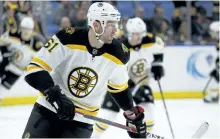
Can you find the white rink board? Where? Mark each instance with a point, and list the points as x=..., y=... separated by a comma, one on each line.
x=176, y=60
x=176, y=76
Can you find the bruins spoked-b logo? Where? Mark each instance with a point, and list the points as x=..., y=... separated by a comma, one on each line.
x=82, y=81
x=139, y=67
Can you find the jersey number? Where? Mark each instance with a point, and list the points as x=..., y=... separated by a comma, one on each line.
x=51, y=45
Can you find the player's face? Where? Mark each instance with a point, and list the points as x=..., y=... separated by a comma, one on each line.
x=26, y=33
x=136, y=38
x=109, y=31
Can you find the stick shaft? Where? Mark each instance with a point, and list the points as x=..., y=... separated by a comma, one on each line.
x=206, y=86
x=121, y=126
x=165, y=107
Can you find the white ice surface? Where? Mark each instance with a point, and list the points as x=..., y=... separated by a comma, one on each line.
x=186, y=116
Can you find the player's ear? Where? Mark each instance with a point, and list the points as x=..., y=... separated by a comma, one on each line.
x=97, y=26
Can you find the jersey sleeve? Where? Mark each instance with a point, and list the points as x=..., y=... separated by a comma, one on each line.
x=118, y=88
x=49, y=56
x=158, y=46
x=118, y=81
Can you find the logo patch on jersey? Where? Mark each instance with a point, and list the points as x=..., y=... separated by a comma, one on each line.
x=125, y=49
x=38, y=45
x=139, y=67
x=70, y=30
x=82, y=81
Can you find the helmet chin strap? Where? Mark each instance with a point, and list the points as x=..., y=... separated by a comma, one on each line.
x=98, y=39
x=97, y=35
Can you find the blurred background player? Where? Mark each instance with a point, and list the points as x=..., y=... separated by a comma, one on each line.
x=213, y=90
x=145, y=60
x=17, y=49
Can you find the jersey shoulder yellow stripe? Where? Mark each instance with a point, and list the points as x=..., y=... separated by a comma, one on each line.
x=76, y=46
x=117, y=52
x=148, y=40
x=15, y=36
x=41, y=63
x=77, y=39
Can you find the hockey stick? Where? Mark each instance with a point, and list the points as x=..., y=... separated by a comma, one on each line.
x=198, y=134
x=165, y=107
x=121, y=126
x=200, y=131
x=108, y=122
x=206, y=86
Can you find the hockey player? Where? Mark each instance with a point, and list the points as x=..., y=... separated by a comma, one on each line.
x=17, y=51
x=146, y=57
x=213, y=90
x=72, y=72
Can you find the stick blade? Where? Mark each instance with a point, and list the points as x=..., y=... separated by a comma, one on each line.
x=200, y=131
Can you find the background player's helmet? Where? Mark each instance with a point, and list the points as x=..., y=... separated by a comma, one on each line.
x=26, y=28
x=102, y=12
x=27, y=22
x=136, y=25
x=215, y=29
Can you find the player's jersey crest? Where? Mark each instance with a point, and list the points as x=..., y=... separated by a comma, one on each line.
x=82, y=81
x=70, y=30
x=124, y=48
x=139, y=67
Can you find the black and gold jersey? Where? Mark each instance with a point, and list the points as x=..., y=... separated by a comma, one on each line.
x=22, y=50
x=147, y=41
x=83, y=72
x=34, y=43
x=142, y=55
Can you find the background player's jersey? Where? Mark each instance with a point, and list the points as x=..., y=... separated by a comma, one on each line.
x=142, y=56
x=83, y=72
x=24, y=50
x=34, y=43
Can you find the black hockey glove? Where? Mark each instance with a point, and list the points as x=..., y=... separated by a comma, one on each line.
x=157, y=70
x=215, y=74
x=64, y=106
x=135, y=119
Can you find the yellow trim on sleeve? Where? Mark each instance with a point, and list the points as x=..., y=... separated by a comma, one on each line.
x=147, y=45
x=85, y=107
x=32, y=67
x=117, y=86
x=75, y=46
x=117, y=91
x=82, y=106
x=112, y=58
x=15, y=38
x=95, y=113
x=42, y=63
